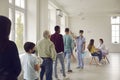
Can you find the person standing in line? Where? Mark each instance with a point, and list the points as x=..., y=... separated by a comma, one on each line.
x=46, y=50
x=80, y=44
x=10, y=66
x=30, y=62
x=57, y=39
x=68, y=48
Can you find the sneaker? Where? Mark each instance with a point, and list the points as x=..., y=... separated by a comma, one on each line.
x=57, y=79
x=82, y=67
x=99, y=64
x=78, y=67
x=69, y=70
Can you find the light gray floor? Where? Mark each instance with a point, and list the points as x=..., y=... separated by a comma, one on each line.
x=92, y=72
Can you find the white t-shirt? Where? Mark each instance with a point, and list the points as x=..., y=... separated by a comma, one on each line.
x=102, y=48
x=28, y=61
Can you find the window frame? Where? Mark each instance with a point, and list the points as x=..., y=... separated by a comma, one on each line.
x=115, y=30
x=15, y=8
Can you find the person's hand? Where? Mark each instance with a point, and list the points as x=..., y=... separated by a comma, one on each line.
x=73, y=58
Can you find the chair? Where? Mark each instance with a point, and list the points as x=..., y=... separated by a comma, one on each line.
x=105, y=59
x=105, y=53
x=94, y=60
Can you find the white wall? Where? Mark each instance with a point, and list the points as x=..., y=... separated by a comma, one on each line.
x=31, y=20
x=4, y=7
x=37, y=19
x=95, y=27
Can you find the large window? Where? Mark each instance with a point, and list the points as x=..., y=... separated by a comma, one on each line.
x=56, y=17
x=17, y=14
x=51, y=18
x=115, y=23
x=63, y=23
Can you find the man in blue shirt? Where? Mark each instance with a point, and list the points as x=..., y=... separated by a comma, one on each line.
x=80, y=44
x=68, y=47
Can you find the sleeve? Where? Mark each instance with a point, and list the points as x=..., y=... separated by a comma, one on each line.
x=51, y=38
x=62, y=43
x=53, y=51
x=36, y=50
x=103, y=47
x=36, y=60
x=16, y=65
x=72, y=43
x=64, y=40
x=84, y=40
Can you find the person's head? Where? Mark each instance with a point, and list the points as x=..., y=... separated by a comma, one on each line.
x=57, y=29
x=29, y=47
x=81, y=32
x=5, y=26
x=101, y=41
x=67, y=30
x=46, y=34
x=91, y=43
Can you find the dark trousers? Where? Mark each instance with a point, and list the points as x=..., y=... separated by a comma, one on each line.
x=99, y=54
x=47, y=69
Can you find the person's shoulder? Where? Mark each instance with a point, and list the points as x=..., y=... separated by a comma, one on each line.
x=103, y=44
x=40, y=41
x=83, y=37
x=33, y=56
x=64, y=35
x=11, y=44
x=60, y=35
x=51, y=43
x=23, y=56
x=52, y=34
x=70, y=36
x=77, y=37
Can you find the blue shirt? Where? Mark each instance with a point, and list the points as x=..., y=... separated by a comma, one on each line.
x=68, y=42
x=79, y=43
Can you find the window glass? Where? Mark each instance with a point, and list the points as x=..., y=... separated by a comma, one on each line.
x=19, y=27
x=20, y=3
x=10, y=1
x=115, y=23
x=51, y=18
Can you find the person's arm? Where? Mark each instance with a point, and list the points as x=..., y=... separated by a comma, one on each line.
x=83, y=48
x=53, y=52
x=36, y=51
x=36, y=65
x=62, y=43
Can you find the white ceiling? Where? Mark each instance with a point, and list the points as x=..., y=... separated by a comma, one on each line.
x=81, y=7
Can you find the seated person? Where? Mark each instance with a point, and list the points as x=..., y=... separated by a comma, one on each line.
x=94, y=51
x=30, y=62
x=102, y=47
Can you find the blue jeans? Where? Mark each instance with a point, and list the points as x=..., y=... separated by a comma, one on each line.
x=46, y=68
x=68, y=57
x=99, y=54
x=61, y=59
x=80, y=59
